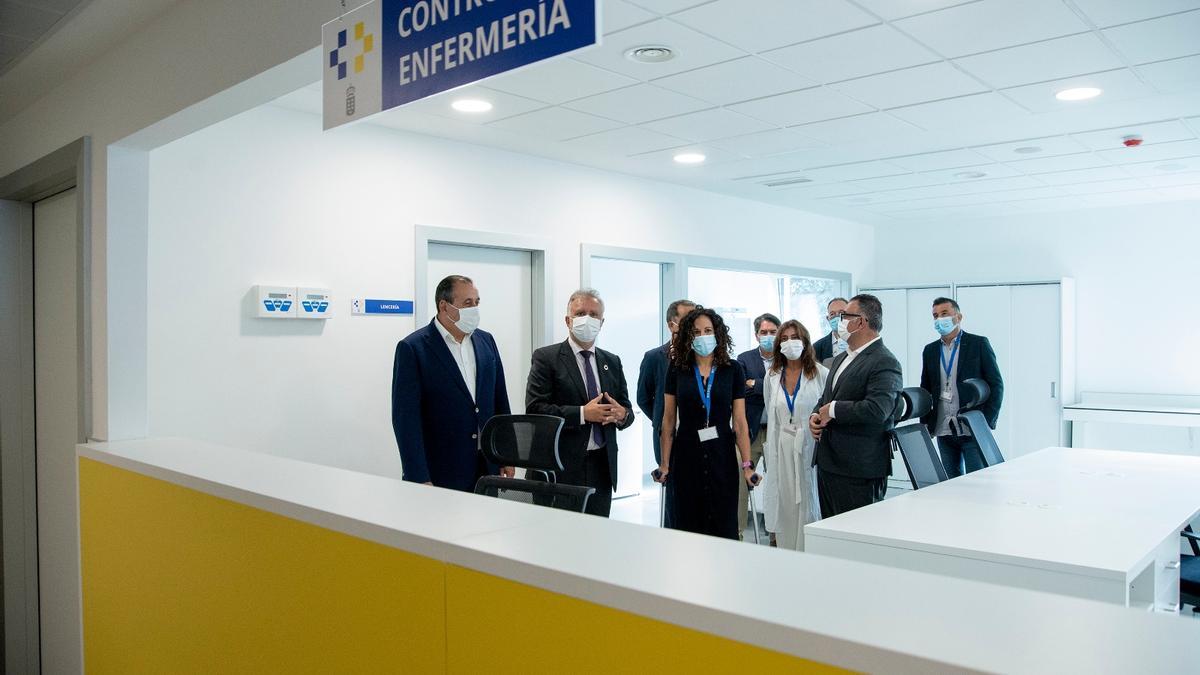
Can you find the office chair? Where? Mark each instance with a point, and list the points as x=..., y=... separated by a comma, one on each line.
x=529, y=442
x=1189, y=572
x=972, y=394
x=920, y=455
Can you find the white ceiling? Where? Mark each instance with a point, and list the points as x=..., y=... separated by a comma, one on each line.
x=887, y=109
x=24, y=22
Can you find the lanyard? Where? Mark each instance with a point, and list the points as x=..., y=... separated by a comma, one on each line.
x=705, y=394
x=949, y=366
x=790, y=399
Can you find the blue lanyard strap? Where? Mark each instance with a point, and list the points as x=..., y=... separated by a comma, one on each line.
x=790, y=399
x=948, y=366
x=706, y=393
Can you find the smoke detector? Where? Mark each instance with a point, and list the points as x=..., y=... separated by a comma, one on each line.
x=650, y=54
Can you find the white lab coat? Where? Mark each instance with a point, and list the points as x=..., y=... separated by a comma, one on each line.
x=790, y=490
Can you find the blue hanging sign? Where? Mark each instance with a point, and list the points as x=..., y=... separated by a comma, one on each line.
x=390, y=52
x=373, y=306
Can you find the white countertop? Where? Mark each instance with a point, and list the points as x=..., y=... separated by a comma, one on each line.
x=824, y=609
x=1092, y=512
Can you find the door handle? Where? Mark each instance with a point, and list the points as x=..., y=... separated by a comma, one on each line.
x=1053, y=387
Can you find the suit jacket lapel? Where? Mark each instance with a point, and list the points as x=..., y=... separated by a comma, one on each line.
x=606, y=375
x=566, y=357
x=833, y=370
x=437, y=345
x=483, y=359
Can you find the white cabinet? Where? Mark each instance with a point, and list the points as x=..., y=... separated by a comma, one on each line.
x=1031, y=328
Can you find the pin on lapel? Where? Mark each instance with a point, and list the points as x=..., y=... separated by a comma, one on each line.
x=606, y=366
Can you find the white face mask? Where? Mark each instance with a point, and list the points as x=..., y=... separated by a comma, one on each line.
x=585, y=328
x=792, y=349
x=843, y=332
x=468, y=319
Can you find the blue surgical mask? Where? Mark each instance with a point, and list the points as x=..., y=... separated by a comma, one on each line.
x=766, y=342
x=944, y=325
x=704, y=345
x=833, y=324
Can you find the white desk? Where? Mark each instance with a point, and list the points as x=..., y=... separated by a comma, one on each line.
x=1169, y=424
x=1096, y=524
x=804, y=605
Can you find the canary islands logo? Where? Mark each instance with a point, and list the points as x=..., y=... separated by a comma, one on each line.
x=364, y=43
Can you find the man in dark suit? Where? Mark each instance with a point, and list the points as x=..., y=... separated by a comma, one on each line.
x=756, y=362
x=824, y=347
x=945, y=364
x=652, y=377
x=853, y=420
x=586, y=387
x=447, y=381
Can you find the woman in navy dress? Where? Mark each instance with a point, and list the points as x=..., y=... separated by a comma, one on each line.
x=710, y=451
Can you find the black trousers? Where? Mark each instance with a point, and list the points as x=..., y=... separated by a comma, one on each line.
x=594, y=474
x=839, y=494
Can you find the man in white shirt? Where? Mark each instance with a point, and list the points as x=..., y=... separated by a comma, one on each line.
x=855, y=416
x=447, y=381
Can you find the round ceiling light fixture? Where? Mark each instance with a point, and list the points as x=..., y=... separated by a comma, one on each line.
x=471, y=105
x=1078, y=93
x=970, y=174
x=689, y=158
x=650, y=54
x=1027, y=149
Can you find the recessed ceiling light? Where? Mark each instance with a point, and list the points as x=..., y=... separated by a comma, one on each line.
x=970, y=174
x=787, y=181
x=1078, y=93
x=471, y=105
x=689, y=158
x=1174, y=166
x=1027, y=149
x=650, y=54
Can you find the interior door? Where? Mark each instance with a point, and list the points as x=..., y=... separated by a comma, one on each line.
x=1032, y=391
x=504, y=279
x=632, y=324
x=920, y=330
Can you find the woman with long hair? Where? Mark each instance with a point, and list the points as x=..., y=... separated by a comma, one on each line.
x=791, y=390
x=705, y=391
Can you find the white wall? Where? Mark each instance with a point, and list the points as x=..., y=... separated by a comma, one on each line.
x=1135, y=269
x=266, y=197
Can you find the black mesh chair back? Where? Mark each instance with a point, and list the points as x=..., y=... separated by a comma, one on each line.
x=527, y=441
x=566, y=497
x=973, y=393
x=921, y=457
x=1189, y=572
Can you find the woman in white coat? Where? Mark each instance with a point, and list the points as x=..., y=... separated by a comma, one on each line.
x=791, y=390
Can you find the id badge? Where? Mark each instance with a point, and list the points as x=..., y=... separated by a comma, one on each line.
x=947, y=395
x=708, y=434
x=790, y=429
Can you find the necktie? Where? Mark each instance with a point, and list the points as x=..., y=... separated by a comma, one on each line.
x=592, y=392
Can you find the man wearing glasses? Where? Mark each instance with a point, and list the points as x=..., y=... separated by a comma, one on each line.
x=853, y=419
x=830, y=346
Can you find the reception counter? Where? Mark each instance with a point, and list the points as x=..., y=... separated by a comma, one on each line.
x=201, y=558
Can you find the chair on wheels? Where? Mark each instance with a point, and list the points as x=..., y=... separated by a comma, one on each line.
x=921, y=457
x=529, y=442
x=1189, y=572
x=974, y=393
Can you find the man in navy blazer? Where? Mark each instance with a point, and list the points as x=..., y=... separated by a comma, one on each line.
x=652, y=377
x=755, y=363
x=824, y=347
x=447, y=381
x=945, y=364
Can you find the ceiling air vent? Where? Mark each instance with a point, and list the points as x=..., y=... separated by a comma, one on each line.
x=785, y=181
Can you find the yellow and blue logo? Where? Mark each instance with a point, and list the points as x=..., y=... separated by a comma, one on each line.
x=366, y=44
